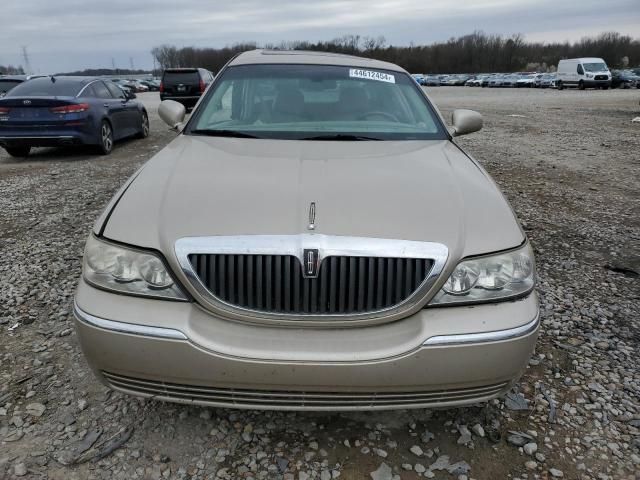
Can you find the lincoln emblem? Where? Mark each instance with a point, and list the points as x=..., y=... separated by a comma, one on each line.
x=310, y=263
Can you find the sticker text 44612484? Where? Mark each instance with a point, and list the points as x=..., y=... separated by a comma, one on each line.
x=371, y=75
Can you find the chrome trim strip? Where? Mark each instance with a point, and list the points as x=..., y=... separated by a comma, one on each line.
x=122, y=327
x=484, y=337
x=61, y=137
x=327, y=246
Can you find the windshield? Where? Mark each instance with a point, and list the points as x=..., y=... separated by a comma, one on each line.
x=595, y=67
x=45, y=87
x=322, y=101
x=181, y=77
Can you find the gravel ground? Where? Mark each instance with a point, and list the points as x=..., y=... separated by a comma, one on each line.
x=568, y=161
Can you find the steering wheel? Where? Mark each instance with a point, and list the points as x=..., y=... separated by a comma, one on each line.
x=388, y=116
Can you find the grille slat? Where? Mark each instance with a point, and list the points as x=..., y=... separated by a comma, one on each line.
x=268, y=282
x=283, y=398
x=276, y=284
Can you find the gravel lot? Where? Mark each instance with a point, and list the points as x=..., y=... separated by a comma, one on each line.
x=568, y=161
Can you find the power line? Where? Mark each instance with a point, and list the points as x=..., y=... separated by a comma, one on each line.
x=27, y=64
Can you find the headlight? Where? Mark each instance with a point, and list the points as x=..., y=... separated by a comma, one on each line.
x=589, y=75
x=126, y=270
x=491, y=278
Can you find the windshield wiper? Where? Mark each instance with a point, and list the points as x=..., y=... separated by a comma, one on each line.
x=211, y=132
x=340, y=136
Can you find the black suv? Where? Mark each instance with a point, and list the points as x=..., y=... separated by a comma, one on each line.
x=184, y=85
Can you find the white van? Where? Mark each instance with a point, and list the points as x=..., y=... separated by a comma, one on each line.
x=583, y=73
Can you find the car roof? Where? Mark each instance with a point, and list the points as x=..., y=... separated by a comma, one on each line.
x=70, y=78
x=303, y=57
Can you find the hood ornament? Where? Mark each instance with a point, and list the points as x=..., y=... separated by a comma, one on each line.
x=312, y=216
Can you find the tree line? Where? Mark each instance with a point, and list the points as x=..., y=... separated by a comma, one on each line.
x=477, y=52
x=99, y=72
x=11, y=70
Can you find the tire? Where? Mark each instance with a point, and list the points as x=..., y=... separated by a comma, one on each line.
x=106, y=138
x=144, y=126
x=18, y=152
x=559, y=85
x=581, y=85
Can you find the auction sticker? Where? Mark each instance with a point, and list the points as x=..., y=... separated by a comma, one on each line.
x=371, y=75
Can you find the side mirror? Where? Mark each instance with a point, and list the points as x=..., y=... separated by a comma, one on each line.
x=172, y=113
x=130, y=95
x=465, y=121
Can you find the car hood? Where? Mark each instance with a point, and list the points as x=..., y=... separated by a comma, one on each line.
x=410, y=190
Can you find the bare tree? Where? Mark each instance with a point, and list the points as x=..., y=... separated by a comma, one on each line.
x=473, y=53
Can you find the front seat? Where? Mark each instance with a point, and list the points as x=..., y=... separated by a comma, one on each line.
x=288, y=106
x=353, y=103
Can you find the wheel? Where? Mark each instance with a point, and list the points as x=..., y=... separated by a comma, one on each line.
x=144, y=127
x=19, y=152
x=559, y=85
x=581, y=85
x=106, y=138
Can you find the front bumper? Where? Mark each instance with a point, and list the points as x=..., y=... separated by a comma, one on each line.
x=597, y=83
x=177, y=352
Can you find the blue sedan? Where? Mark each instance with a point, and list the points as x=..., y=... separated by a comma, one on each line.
x=57, y=111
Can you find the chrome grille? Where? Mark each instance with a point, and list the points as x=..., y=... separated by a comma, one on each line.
x=276, y=284
x=294, y=400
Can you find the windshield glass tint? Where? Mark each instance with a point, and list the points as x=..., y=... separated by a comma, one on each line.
x=181, y=77
x=302, y=101
x=44, y=87
x=594, y=67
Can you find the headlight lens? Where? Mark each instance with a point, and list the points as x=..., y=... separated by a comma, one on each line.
x=126, y=270
x=491, y=278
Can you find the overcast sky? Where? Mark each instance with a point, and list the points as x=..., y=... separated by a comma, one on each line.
x=63, y=35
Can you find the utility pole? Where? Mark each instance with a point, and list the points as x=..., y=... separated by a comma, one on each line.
x=27, y=64
x=113, y=65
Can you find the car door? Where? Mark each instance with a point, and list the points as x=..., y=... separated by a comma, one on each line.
x=113, y=107
x=129, y=110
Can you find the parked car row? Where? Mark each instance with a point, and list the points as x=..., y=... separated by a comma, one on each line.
x=587, y=72
x=625, y=78
x=532, y=80
x=138, y=86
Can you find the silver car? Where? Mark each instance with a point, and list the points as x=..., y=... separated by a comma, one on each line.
x=312, y=239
